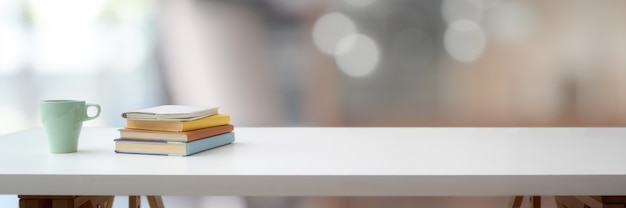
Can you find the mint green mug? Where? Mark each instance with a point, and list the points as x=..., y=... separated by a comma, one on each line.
x=63, y=120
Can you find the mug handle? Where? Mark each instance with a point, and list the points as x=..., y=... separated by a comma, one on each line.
x=87, y=105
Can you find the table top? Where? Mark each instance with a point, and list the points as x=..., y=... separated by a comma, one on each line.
x=332, y=162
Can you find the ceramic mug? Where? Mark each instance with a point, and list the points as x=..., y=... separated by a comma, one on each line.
x=62, y=121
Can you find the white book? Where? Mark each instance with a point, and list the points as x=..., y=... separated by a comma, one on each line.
x=171, y=112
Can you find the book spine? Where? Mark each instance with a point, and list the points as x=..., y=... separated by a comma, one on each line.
x=154, y=136
x=145, y=140
x=154, y=125
x=178, y=126
x=139, y=153
x=215, y=120
x=187, y=136
x=209, y=143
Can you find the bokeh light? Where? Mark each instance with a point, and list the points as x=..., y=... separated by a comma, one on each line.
x=464, y=40
x=357, y=55
x=329, y=29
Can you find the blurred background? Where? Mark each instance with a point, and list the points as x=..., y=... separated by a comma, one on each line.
x=321, y=62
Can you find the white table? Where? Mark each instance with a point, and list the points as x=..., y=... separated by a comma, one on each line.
x=331, y=162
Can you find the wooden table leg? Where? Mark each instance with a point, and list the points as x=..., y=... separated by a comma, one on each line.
x=569, y=202
x=590, y=201
x=32, y=201
x=535, y=201
x=111, y=199
x=99, y=202
x=155, y=202
x=517, y=202
x=134, y=201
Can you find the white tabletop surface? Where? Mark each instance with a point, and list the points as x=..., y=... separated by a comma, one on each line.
x=332, y=162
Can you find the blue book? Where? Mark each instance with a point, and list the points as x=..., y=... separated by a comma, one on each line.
x=158, y=147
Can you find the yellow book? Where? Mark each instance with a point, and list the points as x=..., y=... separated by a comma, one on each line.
x=178, y=126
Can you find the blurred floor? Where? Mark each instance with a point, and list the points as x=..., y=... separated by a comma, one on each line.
x=315, y=202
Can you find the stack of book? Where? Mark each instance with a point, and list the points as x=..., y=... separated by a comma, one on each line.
x=175, y=130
